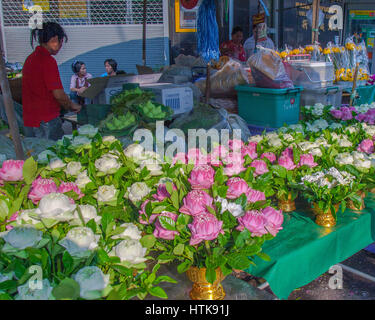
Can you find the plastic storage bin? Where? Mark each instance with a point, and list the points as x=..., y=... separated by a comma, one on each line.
x=366, y=94
x=326, y=96
x=97, y=113
x=271, y=108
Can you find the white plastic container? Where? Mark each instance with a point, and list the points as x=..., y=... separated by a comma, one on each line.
x=326, y=96
x=310, y=74
x=178, y=97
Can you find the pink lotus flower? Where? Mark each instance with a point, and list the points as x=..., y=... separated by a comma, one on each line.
x=70, y=186
x=260, y=167
x=269, y=155
x=142, y=212
x=274, y=219
x=196, y=203
x=41, y=187
x=12, y=218
x=336, y=113
x=162, y=192
x=250, y=150
x=205, y=227
x=180, y=158
x=218, y=153
x=288, y=152
x=287, y=163
x=234, y=169
x=236, y=145
x=162, y=233
x=196, y=157
x=360, y=117
x=12, y=170
x=254, y=221
x=202, y=177
x=255, y=195
x=366, y=146
x=236, y=187
x=307, y=160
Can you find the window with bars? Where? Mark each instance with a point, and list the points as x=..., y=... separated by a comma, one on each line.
x=84, y=12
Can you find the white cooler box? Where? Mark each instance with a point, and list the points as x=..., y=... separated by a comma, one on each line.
x=178, y=97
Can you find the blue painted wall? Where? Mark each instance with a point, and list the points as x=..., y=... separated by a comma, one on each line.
x=127, y=55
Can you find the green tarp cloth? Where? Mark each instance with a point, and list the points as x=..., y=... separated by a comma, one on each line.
x=302, y=250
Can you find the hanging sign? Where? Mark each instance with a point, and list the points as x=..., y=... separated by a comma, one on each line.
x=186, y=19
x=189, y=4
x=27, y=4
x=73, y=9
x=260, y=21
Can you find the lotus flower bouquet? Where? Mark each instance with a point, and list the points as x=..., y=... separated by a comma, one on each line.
x=208, y=219
x=327, y=189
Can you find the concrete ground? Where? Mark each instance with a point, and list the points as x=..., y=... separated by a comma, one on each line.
x=354, y=286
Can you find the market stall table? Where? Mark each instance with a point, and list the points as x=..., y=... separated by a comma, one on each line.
x=303, y=251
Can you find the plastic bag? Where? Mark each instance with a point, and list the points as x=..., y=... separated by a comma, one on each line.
x=31, y=146
x=268, y=70
x=17, y=109
x=225, y=80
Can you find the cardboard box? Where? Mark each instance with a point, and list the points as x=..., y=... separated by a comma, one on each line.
x=103, y=88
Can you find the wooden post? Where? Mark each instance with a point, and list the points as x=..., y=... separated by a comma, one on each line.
x=208, y=84
x=144, y=32
x=315, y=21
x=352, y=98
x=9, y=109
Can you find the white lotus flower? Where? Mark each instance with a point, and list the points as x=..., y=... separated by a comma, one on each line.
x=256, y=138
x=362, y=164
x=316, y=152
x=343, y=142
x=82, y=180
x=109, y=139
x=154, y=168
x=370, y=130
x=344, y=158
x=43, y=156
x=24, y=217
x=56, y=206
x=275, y=142
x=134, y=151
x=106, y=193
x=363, y=108
x=56, y=164
x=352, y=129
x=107, y=165
x=22, y=237
x=79, y=241
x=25, y=292
x=131, y=231
x=359, y=155
x=88, y=130
x=138, y=191
x=235, y=209
x=73, y=168
x=288, y=137
x=88, y=212
x=81, y=141
x=92, y=282
x=129, y=250
x=296, y=127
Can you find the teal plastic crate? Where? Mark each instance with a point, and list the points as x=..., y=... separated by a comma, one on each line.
x=270, y=108
x=366, y=94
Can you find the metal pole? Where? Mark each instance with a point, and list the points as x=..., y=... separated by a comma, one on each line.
x=231, y=19
x=9, y=109
x=315, y=21
x=144, y=32
x=3, y=44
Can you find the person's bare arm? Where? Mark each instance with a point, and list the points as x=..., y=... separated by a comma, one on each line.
x=64, y=100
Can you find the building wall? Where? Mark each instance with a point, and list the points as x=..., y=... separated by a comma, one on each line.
x=111, y=29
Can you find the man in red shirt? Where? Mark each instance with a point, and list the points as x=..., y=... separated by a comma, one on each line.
x=42, y=90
